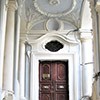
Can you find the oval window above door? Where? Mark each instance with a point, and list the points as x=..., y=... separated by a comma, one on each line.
x=54, y=46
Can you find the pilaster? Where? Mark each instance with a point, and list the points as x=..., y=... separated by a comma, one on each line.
x=22, y=69
x=96, y=85
x=87, y=64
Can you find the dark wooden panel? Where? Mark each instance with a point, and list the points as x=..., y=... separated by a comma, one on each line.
x=45, y=87
x=45, y=71
x=45, y=96
x=61, y=87
x=53, y=80
x=61, y=72
x=62, y=96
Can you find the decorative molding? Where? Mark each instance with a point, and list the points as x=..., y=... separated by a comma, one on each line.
x=95, y=10
x=7, y=95
x=86, y=36
x=31, y=23
x=53, y=14
x=73, y=19
x=20, y=6
x=54, y=2
x=92, y=6
x=53, y=45
x=34, y=14
x=32, y=17
x=12, y=5
x=97, y=7
x=54, y=22
x=53, y=35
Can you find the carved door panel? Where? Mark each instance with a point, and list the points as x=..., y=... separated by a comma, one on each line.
x=53, y=77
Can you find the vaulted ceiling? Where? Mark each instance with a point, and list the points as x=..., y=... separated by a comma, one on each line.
x=41, y=16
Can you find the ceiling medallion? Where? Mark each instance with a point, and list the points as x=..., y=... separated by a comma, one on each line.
x=54, y=8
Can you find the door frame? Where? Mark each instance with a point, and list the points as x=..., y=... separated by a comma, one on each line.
x=74, y=80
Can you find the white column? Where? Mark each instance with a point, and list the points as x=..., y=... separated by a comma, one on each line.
x=97, y=49
x=9, y=47
x=3, y=13
x=31, y=78
x=22, y=69
x=16, y=50
x=87, y=64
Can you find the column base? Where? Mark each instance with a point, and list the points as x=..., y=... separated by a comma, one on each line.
x=7, y=95
x=23, y=98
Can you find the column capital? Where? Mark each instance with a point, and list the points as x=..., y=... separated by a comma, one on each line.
x=12, y=5
x=97, y=7
x=86, y=36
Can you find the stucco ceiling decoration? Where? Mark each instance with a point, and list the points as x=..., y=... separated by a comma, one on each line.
x=64, y=10
x=54, y=2
x=54, y=8
x=60, y=16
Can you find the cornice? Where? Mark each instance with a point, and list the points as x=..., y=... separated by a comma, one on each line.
x=49, y=35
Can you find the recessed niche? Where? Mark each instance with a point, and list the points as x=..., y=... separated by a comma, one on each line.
x=53, y=25
x=54, y=46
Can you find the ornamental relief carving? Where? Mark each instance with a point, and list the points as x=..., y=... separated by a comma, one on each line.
x=32, y=20
x=32, y=17
x=54, y=2
x=8, y=95
x=34, y=14
x=73, y=19
x=41, y=9
x=20, y=6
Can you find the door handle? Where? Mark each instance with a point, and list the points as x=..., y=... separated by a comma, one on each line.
x=46, y=76
x=61, y=87
x=46, y=87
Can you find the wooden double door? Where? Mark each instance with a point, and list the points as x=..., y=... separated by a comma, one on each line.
x=53, y=77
